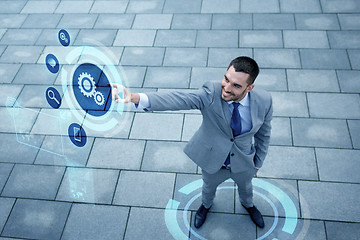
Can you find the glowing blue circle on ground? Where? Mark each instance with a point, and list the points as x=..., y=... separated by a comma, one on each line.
x=64, y=37
x=286, y=202
x=91, y=89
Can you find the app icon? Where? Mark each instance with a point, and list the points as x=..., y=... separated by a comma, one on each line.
x=64, y=38
x=77, y=134
x=52, y=63
x=53, y=97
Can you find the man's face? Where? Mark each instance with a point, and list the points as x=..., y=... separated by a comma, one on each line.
x=234, y=85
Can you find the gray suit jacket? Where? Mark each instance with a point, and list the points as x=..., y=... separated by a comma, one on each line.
x=214, y=140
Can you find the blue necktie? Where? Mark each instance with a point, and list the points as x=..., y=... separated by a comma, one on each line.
x=235, y=125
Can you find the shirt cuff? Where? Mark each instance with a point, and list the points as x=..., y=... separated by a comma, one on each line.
x=144, y=102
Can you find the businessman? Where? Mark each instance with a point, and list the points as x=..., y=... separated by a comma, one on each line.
x=234, y=136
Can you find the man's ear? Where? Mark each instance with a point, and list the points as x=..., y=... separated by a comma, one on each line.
x=250, y=87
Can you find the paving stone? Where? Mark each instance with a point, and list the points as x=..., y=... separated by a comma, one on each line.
x=96, y=222
x=185, y=6
x=308, y=229
x=11, y=6
x=175, y=38
x=290, y=104
x=2, y=32
x=192, y=123
x=34, y=74
x=19, y=120
x=5, y=208
x=57, y=121
x=135, y=38
x=4, y=174
x=41, y=21
x=338, y=6
x=280, y=131
x=226, y=6
x=9, y=91
x=30, y=181
x=74, y=7
x=169, y=77
x=344, y=39
x=320, y=133
x=313, y=204
x=59, y=150
x=95, y=37
x=40, y=7
x=110, y=56
x=148, y=222
x=200, y=75
x=116, y=153
x=21, y=54
x=290, y=162
x=349, y=21
x=79, y=20
x=142, y=56
x=334, y=105
x=342, y=231
x=317, y=21
x=135, y=76
x=272, y=80
x=168, y=157
x=296, y=6
x=324, y=59
x=348, y=81
x=354, y=56
x=11, y=20
x=277, y=58
x=35, y=95
x=191, y=21
x=231, y=21
x=217, y=38
x=192, y=57
x=354, y=127
x=338, y=165
x=13, y=151
x=88, y=185
x=109, y=7
x=37, y=219
x=305, y=39
x=157, y=126
x=226, y=226
x=152, y=21
x=114, y=21
x=312, y=80
x=153, y=6
x=254, y=38
x=221, y=57
x=273, y=21
x=49, y=37
x=147, y=189
x=259, y=6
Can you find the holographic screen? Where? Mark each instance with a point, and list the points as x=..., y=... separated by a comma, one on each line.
x=80, y=107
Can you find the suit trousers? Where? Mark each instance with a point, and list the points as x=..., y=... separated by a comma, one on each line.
x=242, y=180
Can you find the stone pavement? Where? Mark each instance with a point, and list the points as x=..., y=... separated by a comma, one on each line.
x=133, y=181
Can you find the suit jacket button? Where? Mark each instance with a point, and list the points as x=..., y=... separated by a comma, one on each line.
x=232, y=154
x=232, y=139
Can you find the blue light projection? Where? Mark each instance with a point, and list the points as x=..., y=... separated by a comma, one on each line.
x=267, y=189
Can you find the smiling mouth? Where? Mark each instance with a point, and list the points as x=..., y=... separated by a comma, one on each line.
x=225, y=94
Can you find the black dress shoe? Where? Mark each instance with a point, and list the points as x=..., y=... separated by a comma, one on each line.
x=201, y=216
x=256, y=216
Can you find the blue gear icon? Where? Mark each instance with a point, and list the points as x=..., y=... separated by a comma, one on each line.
x=91, y=89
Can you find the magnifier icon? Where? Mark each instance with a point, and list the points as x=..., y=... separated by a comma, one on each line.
x=51, y=95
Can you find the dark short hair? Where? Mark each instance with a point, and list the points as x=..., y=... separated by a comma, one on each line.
x=246, y=65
